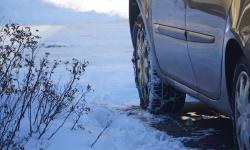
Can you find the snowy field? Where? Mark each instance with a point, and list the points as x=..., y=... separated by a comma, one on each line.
x=97, y=31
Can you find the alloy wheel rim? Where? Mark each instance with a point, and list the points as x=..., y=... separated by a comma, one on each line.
x=242, y=111
x=142, y=63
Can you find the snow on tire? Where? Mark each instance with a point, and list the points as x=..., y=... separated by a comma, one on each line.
x=155, y=95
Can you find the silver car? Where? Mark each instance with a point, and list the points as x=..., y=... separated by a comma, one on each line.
x=199, y=47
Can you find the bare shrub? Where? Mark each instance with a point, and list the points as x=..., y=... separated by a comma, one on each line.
x=29, y=97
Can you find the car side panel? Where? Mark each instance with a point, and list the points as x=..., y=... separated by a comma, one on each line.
x=206, y=23
x=168, y=20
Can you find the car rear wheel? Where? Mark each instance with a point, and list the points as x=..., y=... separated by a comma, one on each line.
x=241, y=91
x=155, y=95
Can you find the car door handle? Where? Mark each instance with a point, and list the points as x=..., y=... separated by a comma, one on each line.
x=173, y=32
x=199, y=38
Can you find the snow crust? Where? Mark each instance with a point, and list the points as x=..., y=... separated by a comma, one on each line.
x=61, y=11
x=111, y=7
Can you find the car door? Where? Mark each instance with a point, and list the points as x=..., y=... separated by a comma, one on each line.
x=168, y=19
x=205, y=25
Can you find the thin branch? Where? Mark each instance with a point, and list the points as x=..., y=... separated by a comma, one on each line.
x=101, y=133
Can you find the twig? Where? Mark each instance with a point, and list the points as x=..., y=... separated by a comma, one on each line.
x=108, y=125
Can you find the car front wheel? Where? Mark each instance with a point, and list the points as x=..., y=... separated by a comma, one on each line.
x=155, y=95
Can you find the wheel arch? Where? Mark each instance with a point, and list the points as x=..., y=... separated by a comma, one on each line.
x=234, y=45
x=232, y=55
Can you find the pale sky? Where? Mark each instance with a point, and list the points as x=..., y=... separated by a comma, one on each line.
x=112, y=7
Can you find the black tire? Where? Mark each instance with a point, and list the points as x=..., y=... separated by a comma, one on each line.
x=155, y=95
x=241, y=101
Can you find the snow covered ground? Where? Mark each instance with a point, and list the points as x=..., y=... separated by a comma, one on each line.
x=100, y=34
